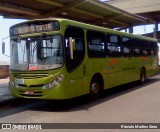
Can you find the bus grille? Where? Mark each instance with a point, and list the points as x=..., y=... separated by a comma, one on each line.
x=30, y=75
x=36, y=93
x=33, y=86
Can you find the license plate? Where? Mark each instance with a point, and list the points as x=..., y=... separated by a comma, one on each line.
x=19, y=81
x=29, y=92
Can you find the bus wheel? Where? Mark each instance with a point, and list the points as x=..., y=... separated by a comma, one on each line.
x=142, y=76
x=95, y=90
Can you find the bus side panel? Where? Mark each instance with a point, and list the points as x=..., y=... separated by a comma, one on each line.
x=124, y=70
x=109, y=72
x=136, y=66
x=86, y=85
x=152, y=65
x=104, y=67
x=74, y=80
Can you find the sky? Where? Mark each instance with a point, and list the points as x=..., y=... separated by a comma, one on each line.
x=6, y=23
x=4, y=32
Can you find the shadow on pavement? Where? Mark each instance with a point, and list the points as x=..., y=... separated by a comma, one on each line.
x=76, y=104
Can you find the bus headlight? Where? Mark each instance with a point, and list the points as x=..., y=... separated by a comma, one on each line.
x=54, y=82
x=14, y=85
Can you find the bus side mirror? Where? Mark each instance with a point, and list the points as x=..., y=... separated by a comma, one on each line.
x=3, y=47
x=71, y=45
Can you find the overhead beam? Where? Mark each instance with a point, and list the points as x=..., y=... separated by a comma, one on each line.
x=50, y=2
x=16, y=9
x=69, y=7
x=108, y=19
x=136, y=17
x=64, y=8
x=150, y=18
x=87, y=13
x=120, y=23
x=122, y=28
x=15, y=16
x=104, y=5
x=116, y=10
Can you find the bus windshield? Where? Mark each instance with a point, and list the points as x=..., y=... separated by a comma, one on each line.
x=37, y=53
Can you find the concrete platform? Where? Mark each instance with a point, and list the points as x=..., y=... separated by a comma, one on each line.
x=4, y=71
x=5, y=94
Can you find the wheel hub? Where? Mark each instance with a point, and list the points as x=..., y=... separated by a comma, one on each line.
x=95, y=88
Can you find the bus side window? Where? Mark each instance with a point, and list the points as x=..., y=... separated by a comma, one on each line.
x=96, y=44
x=153, y=48
x=113, y=45
x=126, y=46
x=144, y=48
x=136, y=49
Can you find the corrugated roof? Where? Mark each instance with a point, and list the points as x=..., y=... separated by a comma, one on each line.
x=147, y=8
x=88, y=11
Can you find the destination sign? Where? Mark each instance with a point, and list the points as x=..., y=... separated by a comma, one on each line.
x=34, y=27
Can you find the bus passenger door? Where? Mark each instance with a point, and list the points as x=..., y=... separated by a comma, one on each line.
x=74, y=52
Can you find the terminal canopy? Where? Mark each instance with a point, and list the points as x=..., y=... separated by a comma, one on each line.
x=88, y=11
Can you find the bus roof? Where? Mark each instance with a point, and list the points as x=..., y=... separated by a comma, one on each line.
x=89, y=26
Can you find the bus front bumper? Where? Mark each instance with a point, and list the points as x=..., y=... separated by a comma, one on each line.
x=56, y=92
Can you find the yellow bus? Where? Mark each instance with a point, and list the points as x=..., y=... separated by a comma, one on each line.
x=61, y=59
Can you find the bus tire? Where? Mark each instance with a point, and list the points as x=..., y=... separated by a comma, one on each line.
x=96, y=87
x=143, y=77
